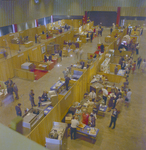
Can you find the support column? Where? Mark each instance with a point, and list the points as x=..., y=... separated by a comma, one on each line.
x=118, y=15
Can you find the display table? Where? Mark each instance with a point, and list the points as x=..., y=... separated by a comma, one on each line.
x=43, y=36
x=77, y=66
x=86, y=132
x=28, y=44
x=79, y=42
x=58, y=86
x=47, y=110
x=57, y=135
x=121, y=72
x=32, y=117
x=102, y=110
x=51, y=65
x=55, y=60
x=96, y=87
x=43, y=67
x=27, y=66
x=109, y=39
x=1, y=55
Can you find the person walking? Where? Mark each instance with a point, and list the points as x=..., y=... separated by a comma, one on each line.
x=116, y=70
x=31, y=98
x=139, y=60
x=15, y=89
x=74, y=124
x=117, y=96
x=111, y=30
x=137, y=48
x=119, y=104
x=128, y=98
x=91, y=37
x=143, y=65
x=102, y=48
x=105, y=94
x=10, y=92
x=133, y=66
x=67, y=82
x=113, y=118
x=18, y=110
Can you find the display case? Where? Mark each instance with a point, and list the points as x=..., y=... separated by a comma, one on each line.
x=112, y=52
x=105, y=65
x=57, y=137
x=32, y=118
x=56, y=48
x=58, y=86
x=27, y=66
x=50, y=49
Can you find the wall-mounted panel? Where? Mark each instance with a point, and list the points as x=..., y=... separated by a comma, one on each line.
x=20, y=11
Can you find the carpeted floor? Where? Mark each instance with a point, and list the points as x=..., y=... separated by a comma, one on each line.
x=38, y=74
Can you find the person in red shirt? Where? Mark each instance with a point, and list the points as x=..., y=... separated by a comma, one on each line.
x=85, y=117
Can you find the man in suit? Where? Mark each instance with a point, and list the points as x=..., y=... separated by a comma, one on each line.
x=67, y=82
x=31, y=98
x=102, y=48
x=113, y=118
x=123, y=65
x=15, y=89
x=18, y=110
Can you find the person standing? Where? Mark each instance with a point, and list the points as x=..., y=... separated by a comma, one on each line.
x=91, y=37
x=119, y=104
x=78, y=112
x=139, y=60
x=113, y=118
x=36, y=38
x=45, y=58
x=92, y=120
x=117, y=96
x=133, y=66
x=112, y=97
x=74, y=124
x=15, y=89
x=116, y=70
x=105, y=94
x=128, y=98
x=31, y=98
x=92, y=95
x=111, y=30
x=143, y=65
x=102, y=48
x=123, y=65
x=85, y=117
x=9, y=82
x=65, y=72
x=67, y=82
x=137, y=49
x=18, y=110
x=10, y=92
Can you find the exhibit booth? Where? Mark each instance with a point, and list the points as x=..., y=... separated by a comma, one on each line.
x=74, y=94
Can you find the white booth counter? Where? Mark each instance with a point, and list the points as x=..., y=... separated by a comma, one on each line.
x=57, y=136
x=105, y=65
x=32, y=117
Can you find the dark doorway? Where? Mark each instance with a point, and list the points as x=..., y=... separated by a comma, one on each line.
x=106, y=17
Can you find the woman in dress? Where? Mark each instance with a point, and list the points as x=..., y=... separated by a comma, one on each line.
x=133, y=66
x=112, y=97
x=143, y=65
x=78, y=113
x=119, y=103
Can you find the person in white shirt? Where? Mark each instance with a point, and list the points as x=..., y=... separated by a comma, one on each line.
x=92, y=95
x=74, y=124
x=128, y=98
x=105, y=94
